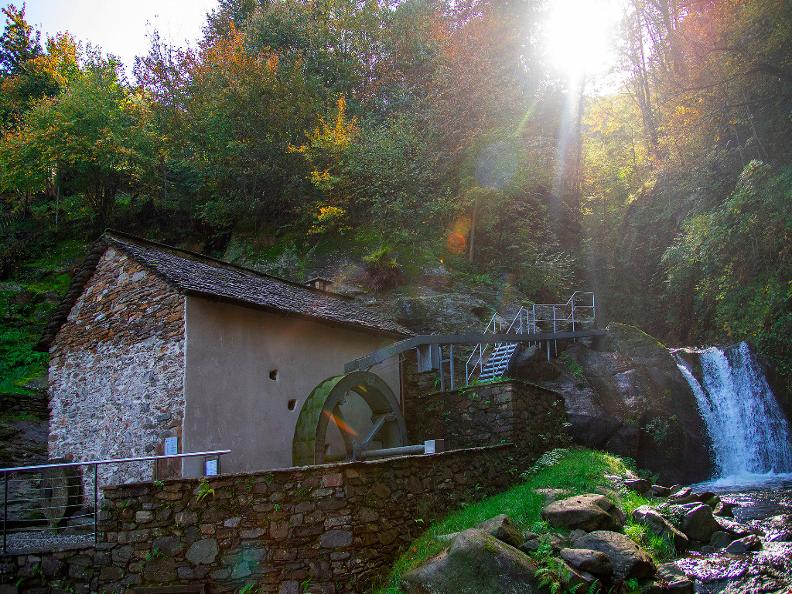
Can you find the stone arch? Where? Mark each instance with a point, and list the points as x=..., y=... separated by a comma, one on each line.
x=323, y=404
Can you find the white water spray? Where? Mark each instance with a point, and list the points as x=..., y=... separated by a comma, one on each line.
x=749, y=432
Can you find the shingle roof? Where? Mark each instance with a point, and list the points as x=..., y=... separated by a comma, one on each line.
x=195, y=274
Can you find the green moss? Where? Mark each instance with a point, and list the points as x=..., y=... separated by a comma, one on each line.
x=575, y=470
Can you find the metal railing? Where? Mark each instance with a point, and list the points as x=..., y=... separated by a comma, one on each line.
x=57, y=504
x=578, y=313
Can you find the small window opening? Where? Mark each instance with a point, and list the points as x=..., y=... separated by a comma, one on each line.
x=292, y=404
x=274, y=375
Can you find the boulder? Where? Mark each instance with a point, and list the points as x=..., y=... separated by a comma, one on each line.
x=638, y=485
x=736, y=529
x=502, y=528
x=530, y=545
x=476, y=562
x=684, y=495
x=699, y=523
x=725, y=509
x=588, y=560
x=627, y=558
x=669, y=578
x=744, y=545
x=576, y=579
x=650, y=518
x=660, y=491
x=720, y=539
x=585, y=512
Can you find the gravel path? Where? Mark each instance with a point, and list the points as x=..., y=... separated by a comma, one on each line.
x=39, y=542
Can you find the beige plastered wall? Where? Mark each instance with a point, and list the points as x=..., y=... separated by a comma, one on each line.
x=230, y=400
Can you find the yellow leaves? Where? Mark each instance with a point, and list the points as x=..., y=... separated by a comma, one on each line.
x=325, y=136
x=328, y=218
x=320, y=177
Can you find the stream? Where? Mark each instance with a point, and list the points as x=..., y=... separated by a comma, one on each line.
x=752, y=450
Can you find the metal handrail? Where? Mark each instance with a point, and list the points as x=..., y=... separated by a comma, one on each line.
x=478, y=357
x=114, y=461
x=64, y=488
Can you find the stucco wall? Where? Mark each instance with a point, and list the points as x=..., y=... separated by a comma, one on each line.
x=231, y=401
x=116, y=369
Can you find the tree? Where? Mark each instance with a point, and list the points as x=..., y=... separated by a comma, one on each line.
x=95, y=138
x=19, y=41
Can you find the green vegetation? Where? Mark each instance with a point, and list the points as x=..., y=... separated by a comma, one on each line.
x=204, y=490
x=404, y=136
x=576, y=471
x=25, y=306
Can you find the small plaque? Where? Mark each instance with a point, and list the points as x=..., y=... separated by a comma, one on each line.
x=171, y=446
x=210, y=467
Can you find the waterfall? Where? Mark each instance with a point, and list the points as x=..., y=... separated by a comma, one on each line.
x=749, y=432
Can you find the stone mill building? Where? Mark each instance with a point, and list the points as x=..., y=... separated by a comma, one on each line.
x=153, y=343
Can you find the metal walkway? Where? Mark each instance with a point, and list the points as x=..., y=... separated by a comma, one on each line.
x=537, y=325
x=490, y=360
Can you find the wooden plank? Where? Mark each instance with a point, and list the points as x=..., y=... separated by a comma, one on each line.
x=364, y=363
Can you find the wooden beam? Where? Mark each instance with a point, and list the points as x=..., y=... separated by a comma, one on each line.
x=364, y=363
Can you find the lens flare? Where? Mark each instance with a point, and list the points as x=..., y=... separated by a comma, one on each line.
x=341, y=424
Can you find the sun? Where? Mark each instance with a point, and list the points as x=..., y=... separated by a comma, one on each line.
x=580, y=35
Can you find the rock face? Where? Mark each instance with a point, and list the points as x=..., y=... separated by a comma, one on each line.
x=475, y=563
x=649, y=517
x=628, y=560
x=632, y=400
x=585, y=512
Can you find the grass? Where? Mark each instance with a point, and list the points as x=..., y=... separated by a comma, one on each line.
x=574, y=470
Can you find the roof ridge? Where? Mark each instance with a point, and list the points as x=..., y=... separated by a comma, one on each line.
x=122, y=234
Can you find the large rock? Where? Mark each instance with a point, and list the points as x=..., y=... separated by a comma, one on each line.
x=699, y=523
x=502, y=528
x=744, y=545
x=627, y=558
x=650, y=518
x=475, y=563
x=669, y=578
x=638, y=485
x=585, y=512
x=633, y=401
x=595, y=562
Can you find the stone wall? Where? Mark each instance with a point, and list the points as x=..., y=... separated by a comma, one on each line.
x=117, y=368
x=489, y=414
x=336, y=527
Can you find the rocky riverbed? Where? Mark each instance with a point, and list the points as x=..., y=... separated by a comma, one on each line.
x=731, y=541
x=766, y=512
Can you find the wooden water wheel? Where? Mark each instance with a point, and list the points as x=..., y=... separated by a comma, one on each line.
x=346, y=415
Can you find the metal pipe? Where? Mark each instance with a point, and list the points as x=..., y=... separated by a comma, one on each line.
x=410, y=449
x=113, y=461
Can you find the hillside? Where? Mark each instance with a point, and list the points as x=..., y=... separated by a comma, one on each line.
x=433, y=159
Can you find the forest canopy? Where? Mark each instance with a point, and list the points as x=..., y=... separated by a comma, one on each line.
x=417, y=131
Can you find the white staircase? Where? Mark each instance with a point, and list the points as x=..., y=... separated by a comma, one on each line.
x=498, y=362
x=491, y=360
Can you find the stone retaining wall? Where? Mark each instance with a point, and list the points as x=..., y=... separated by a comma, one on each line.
x=337, y=528
x=489, y=414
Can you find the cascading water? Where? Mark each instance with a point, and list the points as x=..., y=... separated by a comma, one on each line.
x=749, y=432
